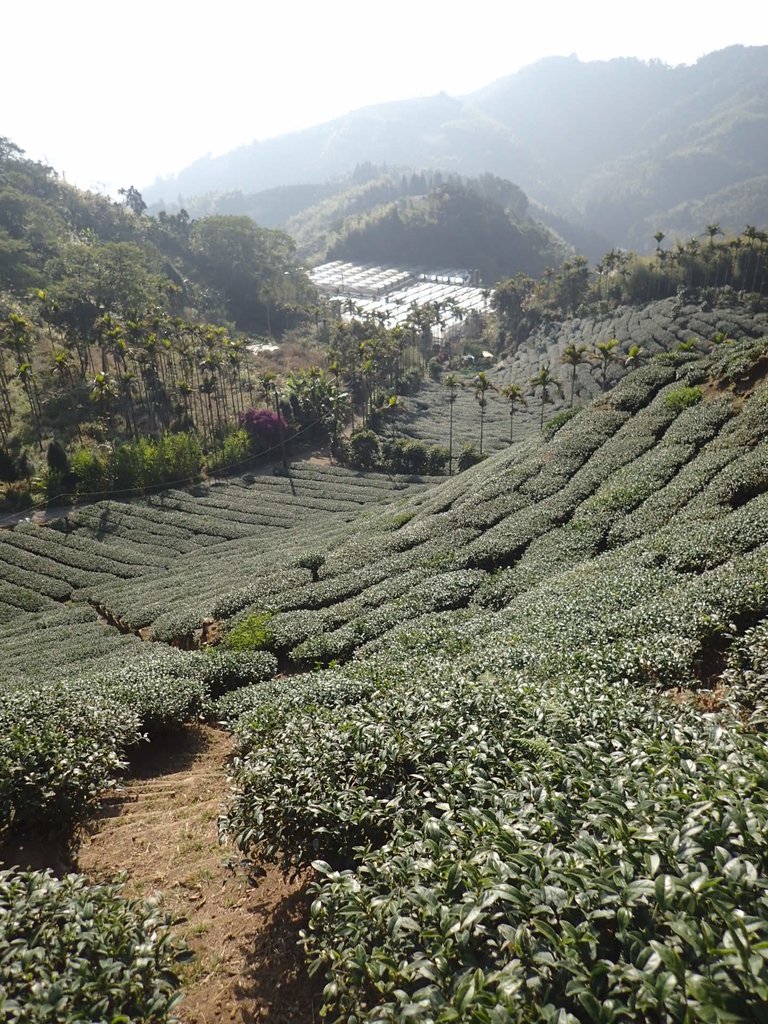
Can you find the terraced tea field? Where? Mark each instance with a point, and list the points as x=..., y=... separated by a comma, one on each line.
x=656, y=328
x=164, y=564
x=511, y=722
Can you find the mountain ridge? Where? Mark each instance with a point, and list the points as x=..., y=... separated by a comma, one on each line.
x=664, y=135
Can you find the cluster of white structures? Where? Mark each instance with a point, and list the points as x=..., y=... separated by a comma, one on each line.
x=362, y=289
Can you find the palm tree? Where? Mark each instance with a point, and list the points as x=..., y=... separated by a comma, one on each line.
x=605, y=355
x=755, y=260
x=546, y=381
x=26, y=377
x=453, y=383
x=482, y=386
x=126, y=391
x=103, y=394
x=208, y=388
x=268, y=386
x=514, y=396
x=711, y=230
x=634, y=354
x=62, y=367
x=574, y=356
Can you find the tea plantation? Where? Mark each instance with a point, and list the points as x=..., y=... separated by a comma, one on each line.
x=649, y=330
x=515, y=720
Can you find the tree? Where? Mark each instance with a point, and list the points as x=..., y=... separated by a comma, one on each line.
x=511, y=303
x=604, y=353
x=253, y=267
x=515, y=397
x=101, y=277
x=574, y=356
x=453, y=384
x=482, y=386
x=56, y=457
x=546, y=382
x=133, y=199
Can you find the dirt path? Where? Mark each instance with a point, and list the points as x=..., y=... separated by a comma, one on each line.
x=162, y=830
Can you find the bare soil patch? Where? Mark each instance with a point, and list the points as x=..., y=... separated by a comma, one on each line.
x=161, y=831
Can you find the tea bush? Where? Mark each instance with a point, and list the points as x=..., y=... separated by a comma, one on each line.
x=58, y=753
x=70, y=951
x=250, y=634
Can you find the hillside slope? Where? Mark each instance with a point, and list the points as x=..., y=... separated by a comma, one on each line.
x=649, y=330
x=532, y=777
x=530, y=787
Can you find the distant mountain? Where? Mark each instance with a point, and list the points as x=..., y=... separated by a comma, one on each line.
x=623, y=147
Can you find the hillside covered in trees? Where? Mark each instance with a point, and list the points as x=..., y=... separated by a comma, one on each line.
x=126, y=338
x=92, y=255
x=623, y=147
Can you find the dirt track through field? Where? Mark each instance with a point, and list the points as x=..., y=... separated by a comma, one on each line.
x=161, y=829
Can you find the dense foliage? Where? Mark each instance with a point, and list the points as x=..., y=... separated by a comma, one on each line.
x=454, y=225
x=513, y=819
x=93, y=256
x=75, y=952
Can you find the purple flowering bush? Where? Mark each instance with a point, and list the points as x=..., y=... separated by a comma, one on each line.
x=264, y=428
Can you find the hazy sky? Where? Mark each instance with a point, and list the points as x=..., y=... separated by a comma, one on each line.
x=114, y=93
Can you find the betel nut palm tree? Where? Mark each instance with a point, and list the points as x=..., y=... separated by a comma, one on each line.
x=515, y=397
x=546, y=382
x=482, y=386
x=574, y=356
x=453, y=384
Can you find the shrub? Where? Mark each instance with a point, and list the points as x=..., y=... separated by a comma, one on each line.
x=250, y=634
x=435, y=369
x=181, y=455
x=174, y=458
x=469, y=456
x=57, y=458
x=314, y=561
x=682, y=398
x=57, y=753
x=58, y=486
x=364, y=449
x=552, y=426
x=437, y=460
x=264, y=428
x=92, y=472
x=9, y=470
x=76, y=952
x=224, y=670
x=235, y=449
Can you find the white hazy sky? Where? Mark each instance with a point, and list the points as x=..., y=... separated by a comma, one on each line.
x=114, y=93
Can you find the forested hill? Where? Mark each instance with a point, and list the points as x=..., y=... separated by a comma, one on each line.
x=86, y=254
x=454, y=225
x=629, y=147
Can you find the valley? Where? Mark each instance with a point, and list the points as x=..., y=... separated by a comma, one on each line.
x=384, y=564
